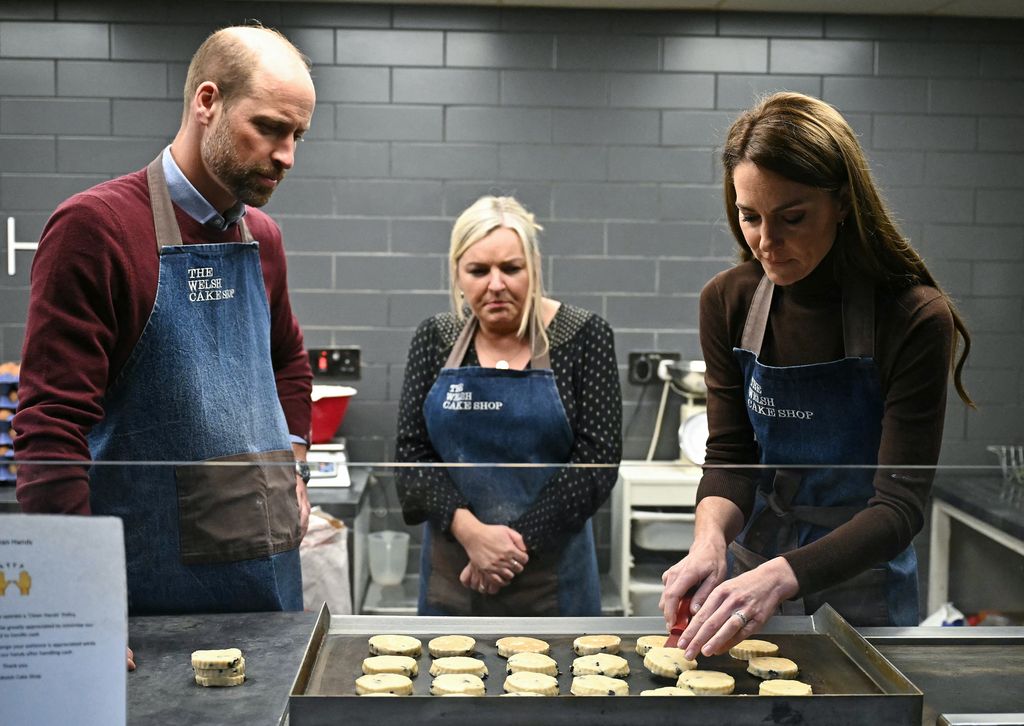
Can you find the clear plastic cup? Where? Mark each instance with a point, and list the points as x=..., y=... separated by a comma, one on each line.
x=389, y=552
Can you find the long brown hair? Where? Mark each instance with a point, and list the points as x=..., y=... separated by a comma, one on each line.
x=808, y=141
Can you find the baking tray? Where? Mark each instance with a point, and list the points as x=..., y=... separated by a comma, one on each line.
x=853, y=682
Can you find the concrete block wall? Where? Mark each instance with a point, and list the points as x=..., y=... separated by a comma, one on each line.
x=605, y=123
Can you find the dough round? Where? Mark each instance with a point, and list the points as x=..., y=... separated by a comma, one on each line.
x=531, y=663
x=383, y=683
x=403, y=665
x=209, y=681
x=598, y=686
x=395, y=645
x=708, y=683
x=458, y=664
x=451, y=645
x=768, y=667
x=521, y=644
x=223, y=658
x=238, y=669
x=600, y=665
x=527, y=682
x=784, y=687
x=593, y=644
x=668, y=662
x=668, y=691
x=464, y=683
x=645, y=642
x=522, y=693
x=747, y=649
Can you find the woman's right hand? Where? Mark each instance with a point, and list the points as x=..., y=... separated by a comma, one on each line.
x=702, y=570
x=496, y=551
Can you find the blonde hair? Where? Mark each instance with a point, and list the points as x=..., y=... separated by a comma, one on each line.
x=481, y=218
x=228, y=57
x=808, y=141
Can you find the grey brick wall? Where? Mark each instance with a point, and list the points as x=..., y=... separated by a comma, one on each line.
x=605, y=122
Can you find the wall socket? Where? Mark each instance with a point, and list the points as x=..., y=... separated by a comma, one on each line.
x=643, y=366
x=338, y=363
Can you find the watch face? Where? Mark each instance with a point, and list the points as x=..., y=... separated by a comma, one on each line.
x=302, y=469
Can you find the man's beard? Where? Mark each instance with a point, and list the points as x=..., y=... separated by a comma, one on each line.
x=218, y=152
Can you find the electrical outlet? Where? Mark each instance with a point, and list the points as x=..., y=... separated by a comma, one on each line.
x=643, y=366
x=335, y=362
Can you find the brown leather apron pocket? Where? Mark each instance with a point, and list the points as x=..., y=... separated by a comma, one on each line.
x=533, y=592
x=238, y=511
x=861, y=600
x=444, y=591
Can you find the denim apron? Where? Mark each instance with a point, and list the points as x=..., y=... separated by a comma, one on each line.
x=199, y=387
x=487, y=415
x=823, y=414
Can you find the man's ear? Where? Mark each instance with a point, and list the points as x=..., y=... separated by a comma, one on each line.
x=206, y=103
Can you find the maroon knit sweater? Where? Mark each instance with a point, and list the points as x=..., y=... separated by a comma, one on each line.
x=94, y=280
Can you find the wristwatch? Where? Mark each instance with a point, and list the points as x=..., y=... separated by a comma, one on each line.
x=302, y=471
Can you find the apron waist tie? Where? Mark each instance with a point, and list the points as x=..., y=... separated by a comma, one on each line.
x=777, y=522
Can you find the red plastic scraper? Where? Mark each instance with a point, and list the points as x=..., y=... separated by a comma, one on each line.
x=682, y=620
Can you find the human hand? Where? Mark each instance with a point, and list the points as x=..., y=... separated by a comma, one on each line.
x=131, y=659
x=701, y=570
x=493, y=549
x=473, y=579
x=738, y=608
x=303, y=498
x=301, y=495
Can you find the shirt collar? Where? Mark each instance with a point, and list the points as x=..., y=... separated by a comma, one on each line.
x=192, y=202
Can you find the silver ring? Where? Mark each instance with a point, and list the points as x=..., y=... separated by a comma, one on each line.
x=743, y=618
x=482, y=588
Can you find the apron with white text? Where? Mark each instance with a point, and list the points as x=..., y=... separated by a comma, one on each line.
x=486, y=415
x=825, y=415
x=199, y=387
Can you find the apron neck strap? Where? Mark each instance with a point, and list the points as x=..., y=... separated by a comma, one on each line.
x=538, y=361
x=244, y=230
x=167, y=232
x=757, y=317
x=858, y=317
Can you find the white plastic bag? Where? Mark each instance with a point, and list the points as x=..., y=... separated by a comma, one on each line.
x=324, y=555
x=947, y=614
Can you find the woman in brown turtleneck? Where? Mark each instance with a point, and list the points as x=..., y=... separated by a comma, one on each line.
x=828, y=349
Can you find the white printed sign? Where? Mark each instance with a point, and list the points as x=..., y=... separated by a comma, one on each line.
x=459, y=399
x=763, y=404
x=205, y=286
x=63, y=620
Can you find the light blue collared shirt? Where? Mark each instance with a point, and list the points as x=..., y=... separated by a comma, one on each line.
x=192, y=202
x=195, y=205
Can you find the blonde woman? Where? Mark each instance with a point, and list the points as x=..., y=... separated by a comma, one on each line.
x=828, y=352
x=509, y=376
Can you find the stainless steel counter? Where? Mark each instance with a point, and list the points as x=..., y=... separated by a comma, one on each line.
x=968, y=675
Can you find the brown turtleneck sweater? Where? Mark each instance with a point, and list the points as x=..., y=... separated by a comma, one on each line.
x=913, y=343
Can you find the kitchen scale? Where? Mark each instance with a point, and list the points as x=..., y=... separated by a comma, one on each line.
x=328, y=464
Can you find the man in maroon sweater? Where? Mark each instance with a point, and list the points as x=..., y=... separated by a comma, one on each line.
x=160, y=329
